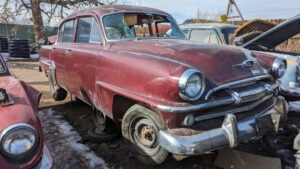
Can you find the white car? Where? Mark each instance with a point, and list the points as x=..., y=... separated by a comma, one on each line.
x=215, y=33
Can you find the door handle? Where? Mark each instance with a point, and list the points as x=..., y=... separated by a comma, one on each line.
x=67, y=51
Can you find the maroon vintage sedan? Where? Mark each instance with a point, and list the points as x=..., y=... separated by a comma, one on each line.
x=169, y=94
x=21, y=138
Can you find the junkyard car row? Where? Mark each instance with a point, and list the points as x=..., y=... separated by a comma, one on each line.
x=168, y=94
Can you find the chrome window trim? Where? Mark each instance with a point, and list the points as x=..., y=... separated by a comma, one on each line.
x=226, y=85
x=14, y=127
x=182, y=84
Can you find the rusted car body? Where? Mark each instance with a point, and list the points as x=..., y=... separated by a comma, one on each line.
x=21, y=136
x=169, y=94
x=268, y=41
x=215, y=33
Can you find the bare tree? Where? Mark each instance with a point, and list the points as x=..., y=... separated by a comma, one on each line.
x=41, y=10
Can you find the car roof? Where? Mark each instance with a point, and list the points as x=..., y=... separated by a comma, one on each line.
x=207, y=25
x=108, y=9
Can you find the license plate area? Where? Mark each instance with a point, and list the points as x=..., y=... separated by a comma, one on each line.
x=264, y=125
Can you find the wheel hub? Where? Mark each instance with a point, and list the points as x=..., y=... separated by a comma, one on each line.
x=145, y=134
x=148, y=135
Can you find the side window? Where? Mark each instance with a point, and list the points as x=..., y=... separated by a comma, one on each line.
x=67, y=33
x=214, y=38
x=87, y=31
x=185, y=32
x=200, y=35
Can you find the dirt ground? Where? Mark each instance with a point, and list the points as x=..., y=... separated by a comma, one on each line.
x=115, y=154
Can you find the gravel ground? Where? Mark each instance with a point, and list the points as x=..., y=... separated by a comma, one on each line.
x=66, y=143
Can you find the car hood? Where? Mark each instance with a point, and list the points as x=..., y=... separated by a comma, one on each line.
x=218, y=63
x=24, y=103
x=276, y=35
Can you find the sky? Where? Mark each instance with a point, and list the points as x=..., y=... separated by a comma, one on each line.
x=250, y=9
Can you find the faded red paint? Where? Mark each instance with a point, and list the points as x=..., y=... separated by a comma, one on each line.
x=23, y=110
x=145, y=71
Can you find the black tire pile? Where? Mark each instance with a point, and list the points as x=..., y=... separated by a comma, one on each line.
x=19, y=48
x=3, y=45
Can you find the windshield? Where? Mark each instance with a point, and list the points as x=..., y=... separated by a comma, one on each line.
x=229, y=34
x=140, y=25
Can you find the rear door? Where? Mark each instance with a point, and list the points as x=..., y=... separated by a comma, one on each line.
x=82, y=55
x=58, y=55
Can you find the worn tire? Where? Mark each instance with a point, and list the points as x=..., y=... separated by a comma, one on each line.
x=57, y=93
x=101, y=121
x=140, y=127
x=107, y=136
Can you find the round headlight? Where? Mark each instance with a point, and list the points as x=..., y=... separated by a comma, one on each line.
x=18, y=140
x=279, y=67
x=191, y=85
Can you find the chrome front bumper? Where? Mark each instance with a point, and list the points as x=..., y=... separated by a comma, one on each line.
x=229, y=135
x=47, y=160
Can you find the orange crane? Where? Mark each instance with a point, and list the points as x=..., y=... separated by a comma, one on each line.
x=232, y=4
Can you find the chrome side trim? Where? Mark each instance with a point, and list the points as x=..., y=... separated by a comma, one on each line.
x=46, y=62
x=196, y=107
x=230, y=84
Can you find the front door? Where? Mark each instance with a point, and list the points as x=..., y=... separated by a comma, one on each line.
x=58, y=55
x=82, y=57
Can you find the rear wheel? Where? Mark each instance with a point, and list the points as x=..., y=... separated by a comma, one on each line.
x=101, y=121
x=56, y=92
x=140, y=128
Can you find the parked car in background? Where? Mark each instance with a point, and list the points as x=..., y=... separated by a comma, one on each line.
x=215, y=33
x=22, y=143
x=268, y=42
x=169, y=94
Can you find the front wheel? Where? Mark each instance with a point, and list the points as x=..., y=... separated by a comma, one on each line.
x=140, y=128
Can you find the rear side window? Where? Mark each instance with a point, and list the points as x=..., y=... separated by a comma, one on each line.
x=67, y=31
x=205, y=35
x=87, y=31
x=200, y=35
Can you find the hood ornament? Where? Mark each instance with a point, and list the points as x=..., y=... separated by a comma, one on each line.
x=251, y=63
x=246, y=63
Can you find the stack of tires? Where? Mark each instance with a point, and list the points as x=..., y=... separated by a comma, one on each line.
x=19, y=48
x=3, y=45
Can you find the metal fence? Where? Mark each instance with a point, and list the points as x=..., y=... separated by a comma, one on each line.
x=23, y=31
